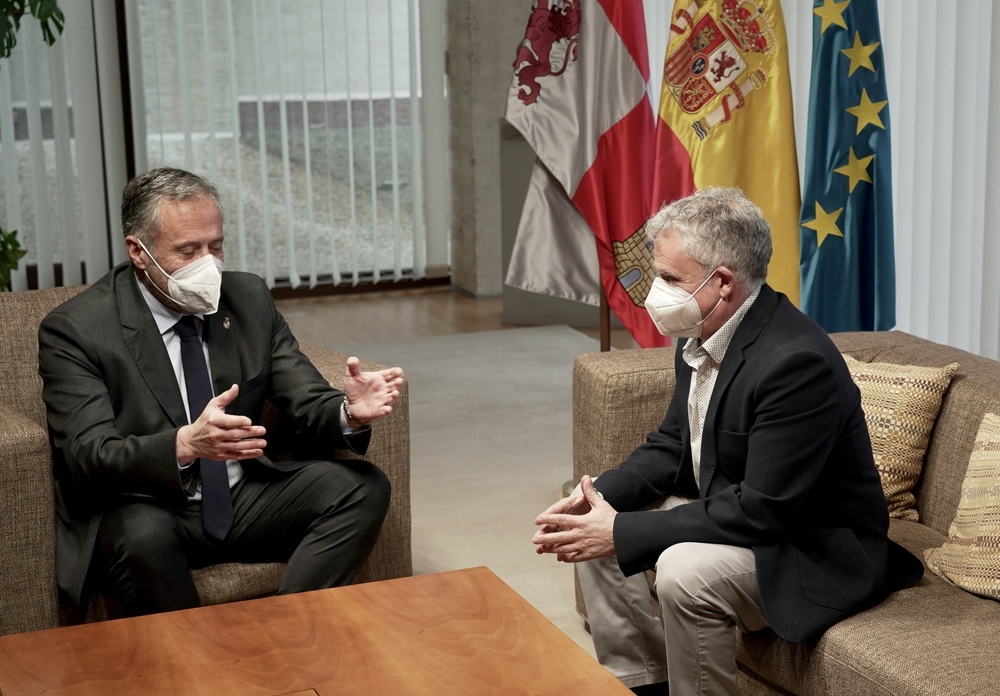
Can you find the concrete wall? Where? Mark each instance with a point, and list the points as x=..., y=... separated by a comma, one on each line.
x=483, y=36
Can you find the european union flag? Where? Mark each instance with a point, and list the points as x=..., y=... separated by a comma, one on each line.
x=846, y=248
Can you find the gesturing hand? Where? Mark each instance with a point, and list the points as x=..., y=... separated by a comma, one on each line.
x=217, y=435
x=370, y=395
x=577, y=528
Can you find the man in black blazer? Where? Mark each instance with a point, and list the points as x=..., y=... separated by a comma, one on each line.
x=146, y=442
x=757, y=501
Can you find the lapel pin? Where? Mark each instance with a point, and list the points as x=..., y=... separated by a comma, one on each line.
x=225, y=322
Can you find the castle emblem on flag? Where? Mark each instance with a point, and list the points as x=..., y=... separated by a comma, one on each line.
x=718, y=60
x=634, y=265
x=553, y=24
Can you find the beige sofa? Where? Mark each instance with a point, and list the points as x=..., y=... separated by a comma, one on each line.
x=931, y=639
x=28, y=593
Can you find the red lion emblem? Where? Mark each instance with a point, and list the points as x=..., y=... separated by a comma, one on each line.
x=546, y=27
x=724, y=65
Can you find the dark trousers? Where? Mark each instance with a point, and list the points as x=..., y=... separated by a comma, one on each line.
x=322, y=518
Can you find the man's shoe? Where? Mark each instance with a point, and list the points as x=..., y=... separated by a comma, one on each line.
x=659, y=689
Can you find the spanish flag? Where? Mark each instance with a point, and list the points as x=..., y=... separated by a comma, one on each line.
x=725, y=117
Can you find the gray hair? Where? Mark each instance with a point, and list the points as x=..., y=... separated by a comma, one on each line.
x=719, y=227
x=142, y=196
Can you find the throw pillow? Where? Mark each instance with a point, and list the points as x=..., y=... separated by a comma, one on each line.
x=901, y=403
x=971, y=556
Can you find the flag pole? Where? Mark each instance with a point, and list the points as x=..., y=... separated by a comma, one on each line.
x=605, y=311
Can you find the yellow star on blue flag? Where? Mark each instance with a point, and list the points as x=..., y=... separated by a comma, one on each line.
x=846, y=257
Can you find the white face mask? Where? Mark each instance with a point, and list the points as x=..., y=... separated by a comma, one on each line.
x=674, y=311
x=194, y=288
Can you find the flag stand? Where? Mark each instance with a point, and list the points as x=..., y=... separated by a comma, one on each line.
x=605, y=311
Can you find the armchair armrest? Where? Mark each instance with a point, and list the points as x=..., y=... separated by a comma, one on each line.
x=390, y=451
x=28, y=594
x=618, y=398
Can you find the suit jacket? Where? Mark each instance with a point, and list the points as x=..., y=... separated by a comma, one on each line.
x=786, y=470
x=114, y=405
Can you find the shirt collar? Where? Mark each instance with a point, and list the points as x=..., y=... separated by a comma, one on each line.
x=164, y=317
x=718, y=343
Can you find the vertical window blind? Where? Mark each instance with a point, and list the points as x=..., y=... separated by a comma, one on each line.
x=40, y=197
x=55, y=156
x=305, y=114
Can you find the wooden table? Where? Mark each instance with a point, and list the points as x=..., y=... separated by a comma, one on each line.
x=461, y=632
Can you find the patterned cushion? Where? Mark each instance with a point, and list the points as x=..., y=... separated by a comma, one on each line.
x=971, y=556
x=901, y=403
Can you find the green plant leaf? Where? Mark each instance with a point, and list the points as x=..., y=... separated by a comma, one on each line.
x=50, y=17
x=12, y=12
x=11, y=254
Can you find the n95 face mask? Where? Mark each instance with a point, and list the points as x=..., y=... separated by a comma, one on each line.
x=196, y=287
x=674, y=311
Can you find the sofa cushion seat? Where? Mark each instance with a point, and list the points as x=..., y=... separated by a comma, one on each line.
x=949, y=650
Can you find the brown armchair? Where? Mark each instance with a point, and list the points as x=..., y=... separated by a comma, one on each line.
x=28, y=593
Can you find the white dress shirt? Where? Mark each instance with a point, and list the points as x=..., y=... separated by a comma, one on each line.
x=165, y=320
x=705, y=358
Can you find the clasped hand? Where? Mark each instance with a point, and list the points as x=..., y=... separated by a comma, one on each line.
x=577, y=528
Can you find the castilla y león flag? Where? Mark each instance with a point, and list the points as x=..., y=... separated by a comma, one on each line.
x=726, y=117
x=579, y=97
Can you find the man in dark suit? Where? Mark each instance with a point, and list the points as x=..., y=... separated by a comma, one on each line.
x=757, y=501
x=155, y=379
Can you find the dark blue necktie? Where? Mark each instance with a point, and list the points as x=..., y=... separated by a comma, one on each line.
x=216, y=500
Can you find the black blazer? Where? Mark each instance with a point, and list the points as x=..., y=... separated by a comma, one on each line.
x=786, y=470
x=114, y=405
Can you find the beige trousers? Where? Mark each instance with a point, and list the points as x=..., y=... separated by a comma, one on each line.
x=704, y=590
